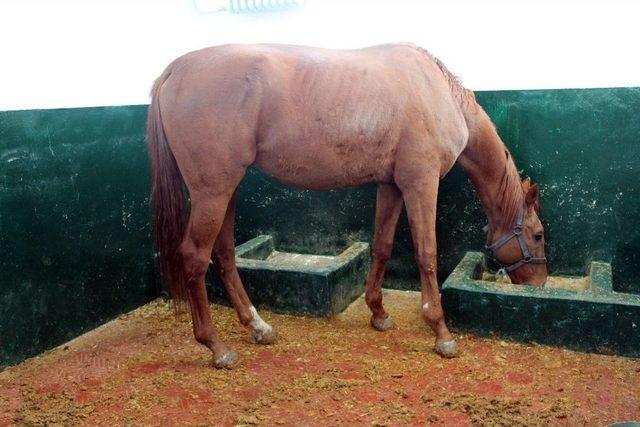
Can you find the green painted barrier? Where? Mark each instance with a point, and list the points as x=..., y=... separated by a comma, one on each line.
x=594, y=319
x=307, y=284
x=74, y=223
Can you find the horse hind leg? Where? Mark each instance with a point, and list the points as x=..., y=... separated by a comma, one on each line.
x=205, y=220
x=224, y=260
x=388, y=208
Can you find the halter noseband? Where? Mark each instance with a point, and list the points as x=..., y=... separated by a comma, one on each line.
x=526, y=255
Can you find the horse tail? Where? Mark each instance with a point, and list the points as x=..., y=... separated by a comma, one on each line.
x=168, y=199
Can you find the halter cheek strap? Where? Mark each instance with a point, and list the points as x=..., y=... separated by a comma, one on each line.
x=517, y=233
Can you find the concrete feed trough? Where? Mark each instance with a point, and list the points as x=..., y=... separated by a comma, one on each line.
x=315, y=285
x=582, y=313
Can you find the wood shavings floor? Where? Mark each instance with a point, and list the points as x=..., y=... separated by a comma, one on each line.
x=144, y=368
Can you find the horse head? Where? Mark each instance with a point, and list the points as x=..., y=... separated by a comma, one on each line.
x=519, y=247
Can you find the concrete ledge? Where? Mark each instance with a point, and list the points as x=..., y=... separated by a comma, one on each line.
x=284, y=282
x=596, y=319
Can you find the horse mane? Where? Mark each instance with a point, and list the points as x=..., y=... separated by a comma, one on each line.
x=459, y=92
x=510, y=191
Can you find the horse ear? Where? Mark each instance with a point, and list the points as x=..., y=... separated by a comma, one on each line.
x=533, y=195
x=526, y=184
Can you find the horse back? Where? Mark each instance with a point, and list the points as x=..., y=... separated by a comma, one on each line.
x=322, y=118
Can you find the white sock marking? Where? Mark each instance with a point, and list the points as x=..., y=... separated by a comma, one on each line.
x=260, y=327
x=425, y=307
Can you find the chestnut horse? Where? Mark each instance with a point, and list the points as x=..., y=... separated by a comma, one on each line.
x=324, y=119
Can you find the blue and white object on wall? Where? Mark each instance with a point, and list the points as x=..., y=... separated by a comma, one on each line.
x=246, y=6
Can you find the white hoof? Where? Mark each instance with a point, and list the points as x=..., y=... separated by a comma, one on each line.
x=226, y=360
x=382, y=324
x=447, y=348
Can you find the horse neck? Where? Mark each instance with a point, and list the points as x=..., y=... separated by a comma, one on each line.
x=491, y=170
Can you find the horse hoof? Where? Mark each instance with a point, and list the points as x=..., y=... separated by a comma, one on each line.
x=268, y=336
x=447, y=349
x=382, y=324
x=226, y=360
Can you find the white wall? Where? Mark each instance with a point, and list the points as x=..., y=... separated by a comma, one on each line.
x=69, y=53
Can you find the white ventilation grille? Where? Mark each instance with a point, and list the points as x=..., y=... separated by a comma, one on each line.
x=245, y=6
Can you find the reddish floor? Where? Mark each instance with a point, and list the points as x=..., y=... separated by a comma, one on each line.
x=145, y=368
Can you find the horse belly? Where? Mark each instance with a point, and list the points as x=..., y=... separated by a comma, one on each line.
x=321, y=165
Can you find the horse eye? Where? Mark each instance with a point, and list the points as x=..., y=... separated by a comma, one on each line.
x=538, y=236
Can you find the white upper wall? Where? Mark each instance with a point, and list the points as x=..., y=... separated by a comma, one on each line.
x=69, y=53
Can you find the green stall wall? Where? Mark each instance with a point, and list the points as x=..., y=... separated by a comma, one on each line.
x=74, y=223
x=74, y=217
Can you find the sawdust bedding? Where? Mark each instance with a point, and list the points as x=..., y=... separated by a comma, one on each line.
x=553, y=282
x=145, y=369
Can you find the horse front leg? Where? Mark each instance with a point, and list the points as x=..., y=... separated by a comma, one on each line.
x=421, y=200
x=388, y=208
x=224, y=260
